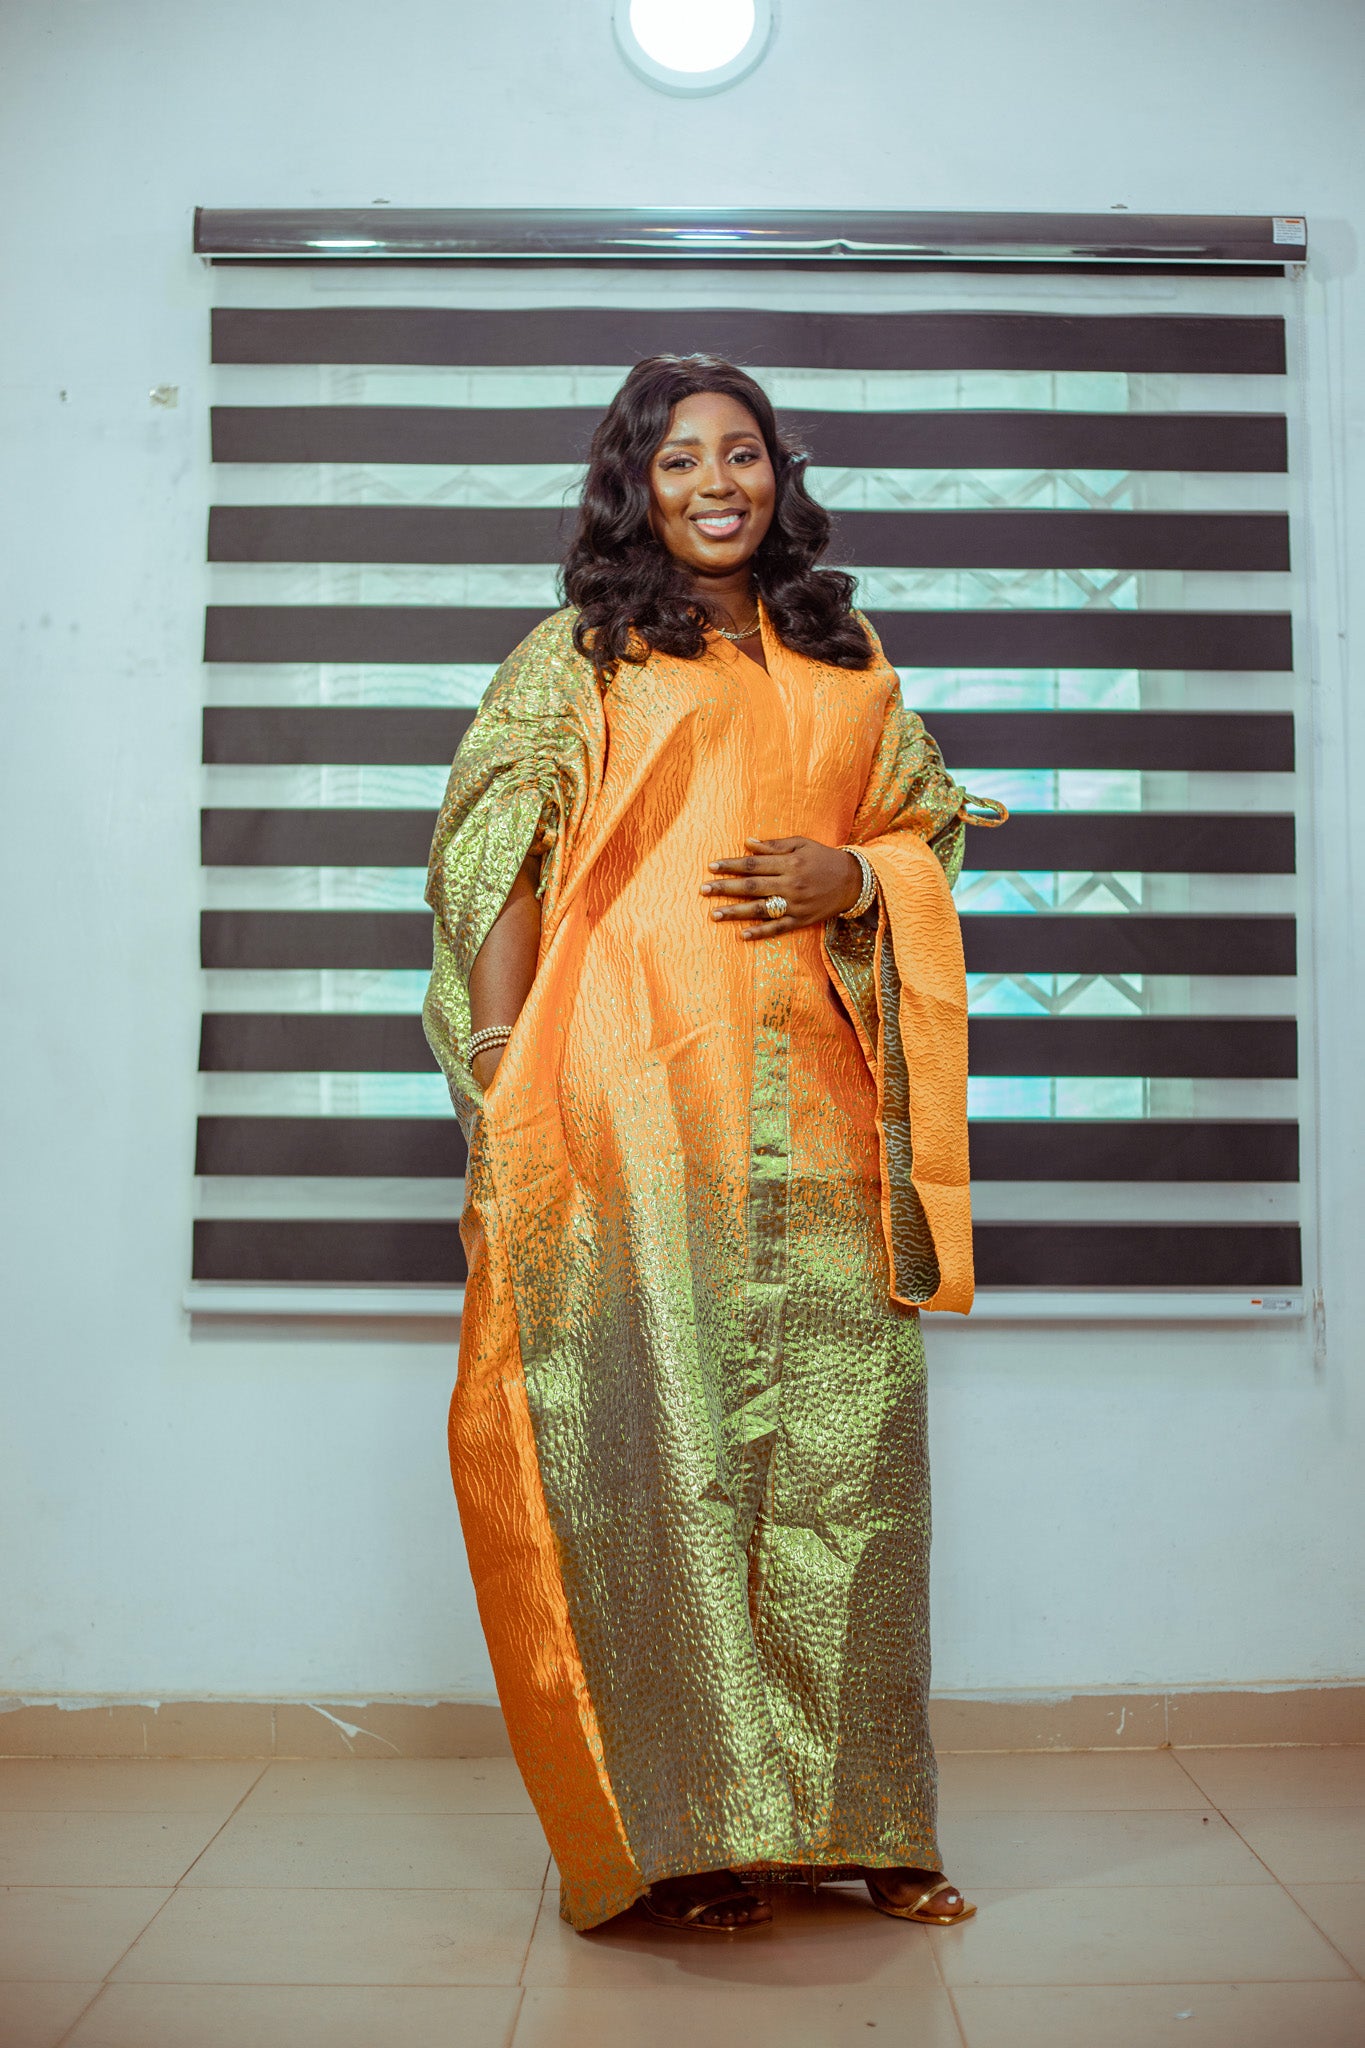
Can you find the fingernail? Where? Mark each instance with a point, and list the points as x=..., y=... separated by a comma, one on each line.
x=716, y=914
x=715, y=867
x=706, y=888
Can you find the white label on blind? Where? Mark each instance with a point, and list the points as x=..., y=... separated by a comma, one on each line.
x=1290, y=227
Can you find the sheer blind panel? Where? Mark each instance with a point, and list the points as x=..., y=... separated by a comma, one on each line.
x=1072, y=505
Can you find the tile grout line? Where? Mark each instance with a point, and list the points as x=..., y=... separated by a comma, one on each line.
x=97, y=1994
x=531, y=1939
x=510, y=2038
x=947, y=1990
x=1297, y=1904
x=170, y=1894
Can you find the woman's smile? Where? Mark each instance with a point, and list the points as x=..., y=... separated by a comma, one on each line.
x=718, y=525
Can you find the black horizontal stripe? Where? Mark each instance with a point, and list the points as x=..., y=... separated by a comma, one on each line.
x=1030, y=1149
x=952, y=539
x=411, y=735
x=1006, y=638
x=1144, y=842
x=388, y=533
x=1246, y=1048
x=375, y=939
x=364, y=632
x=1181, y=944
x=1014, y=638
x=1212, y=741
x=370, y=735
x=234, y=1041
x=1027, y=943
x=1198, y=1255
x=1132, y=1149
x=415, y=433
x=326, y=839
x=398, y=1147
x=378, y=1250
x=1048, y=842
x=382, y=1252
x=1022, y=439
x=1228, y=344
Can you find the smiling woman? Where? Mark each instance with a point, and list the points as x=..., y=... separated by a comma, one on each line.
x=710, y=1183
x=694, y=506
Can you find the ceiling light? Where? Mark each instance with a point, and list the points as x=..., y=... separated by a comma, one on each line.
x=691, y=46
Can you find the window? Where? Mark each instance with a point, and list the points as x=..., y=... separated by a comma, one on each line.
x=1071, y=501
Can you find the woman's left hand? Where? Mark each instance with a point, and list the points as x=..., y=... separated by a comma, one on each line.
x=817, y=882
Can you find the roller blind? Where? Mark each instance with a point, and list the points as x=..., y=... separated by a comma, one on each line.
x=1071, y=505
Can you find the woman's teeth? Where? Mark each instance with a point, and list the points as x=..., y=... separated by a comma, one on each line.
x=722, y=526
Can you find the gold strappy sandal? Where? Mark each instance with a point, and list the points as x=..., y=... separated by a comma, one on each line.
x=692, y=1922
x=915, y=1910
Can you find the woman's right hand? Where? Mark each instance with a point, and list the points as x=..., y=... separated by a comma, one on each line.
x=486, y=1065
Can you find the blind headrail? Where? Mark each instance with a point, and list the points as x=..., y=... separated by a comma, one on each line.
x=734, y=235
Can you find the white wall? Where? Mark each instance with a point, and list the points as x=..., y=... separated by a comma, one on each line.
x=258, y=1512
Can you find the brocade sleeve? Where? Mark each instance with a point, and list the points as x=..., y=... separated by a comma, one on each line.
x=522, y=781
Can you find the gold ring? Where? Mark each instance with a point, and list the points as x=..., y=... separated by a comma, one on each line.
x=776, y=906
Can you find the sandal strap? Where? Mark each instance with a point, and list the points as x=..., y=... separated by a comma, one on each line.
x=704, y=1906
x=740, y=1896
x=933, y=1891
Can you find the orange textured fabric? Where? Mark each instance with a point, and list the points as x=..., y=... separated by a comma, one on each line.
x=707, y=1188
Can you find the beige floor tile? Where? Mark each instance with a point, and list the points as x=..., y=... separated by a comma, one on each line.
x=297, y=2016
x=1025, y=1849
x=1339, y=1910
x=759, y=2015
x=258, y=1936
x=74, y=1934
x=38, y=1784
x=1307, y=1844
x=1153, y=2015
x=101, y=1848
x=38, y=2015
x=1278, y=1777
x=398, y=1785
x=826, y=1941
x=502, y=1851
x=1223, y=1934
x=1107, y=1780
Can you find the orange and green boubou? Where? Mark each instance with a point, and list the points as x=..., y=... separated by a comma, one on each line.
x=710, y=1186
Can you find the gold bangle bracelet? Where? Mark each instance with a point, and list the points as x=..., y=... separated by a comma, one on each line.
x=867, y=894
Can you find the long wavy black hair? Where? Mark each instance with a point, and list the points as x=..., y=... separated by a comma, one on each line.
x=629, y=588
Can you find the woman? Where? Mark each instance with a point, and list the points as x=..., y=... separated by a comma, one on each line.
x=711, y=1061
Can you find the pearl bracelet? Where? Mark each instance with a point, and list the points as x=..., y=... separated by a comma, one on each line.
x=868, y=893
x=485, y=1040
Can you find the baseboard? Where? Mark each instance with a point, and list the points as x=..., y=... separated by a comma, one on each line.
x=1212, y=1718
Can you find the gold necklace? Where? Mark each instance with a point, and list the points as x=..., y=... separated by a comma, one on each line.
x=746, y=633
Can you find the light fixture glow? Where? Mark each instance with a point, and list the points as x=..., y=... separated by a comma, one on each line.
x=692, y=35
x=693, y=46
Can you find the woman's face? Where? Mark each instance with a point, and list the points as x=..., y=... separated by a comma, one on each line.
x=711, y=485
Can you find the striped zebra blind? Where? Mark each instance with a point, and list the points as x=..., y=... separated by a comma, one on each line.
x=1068, y=500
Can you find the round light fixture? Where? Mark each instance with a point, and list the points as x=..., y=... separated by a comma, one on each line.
x=691, y=46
